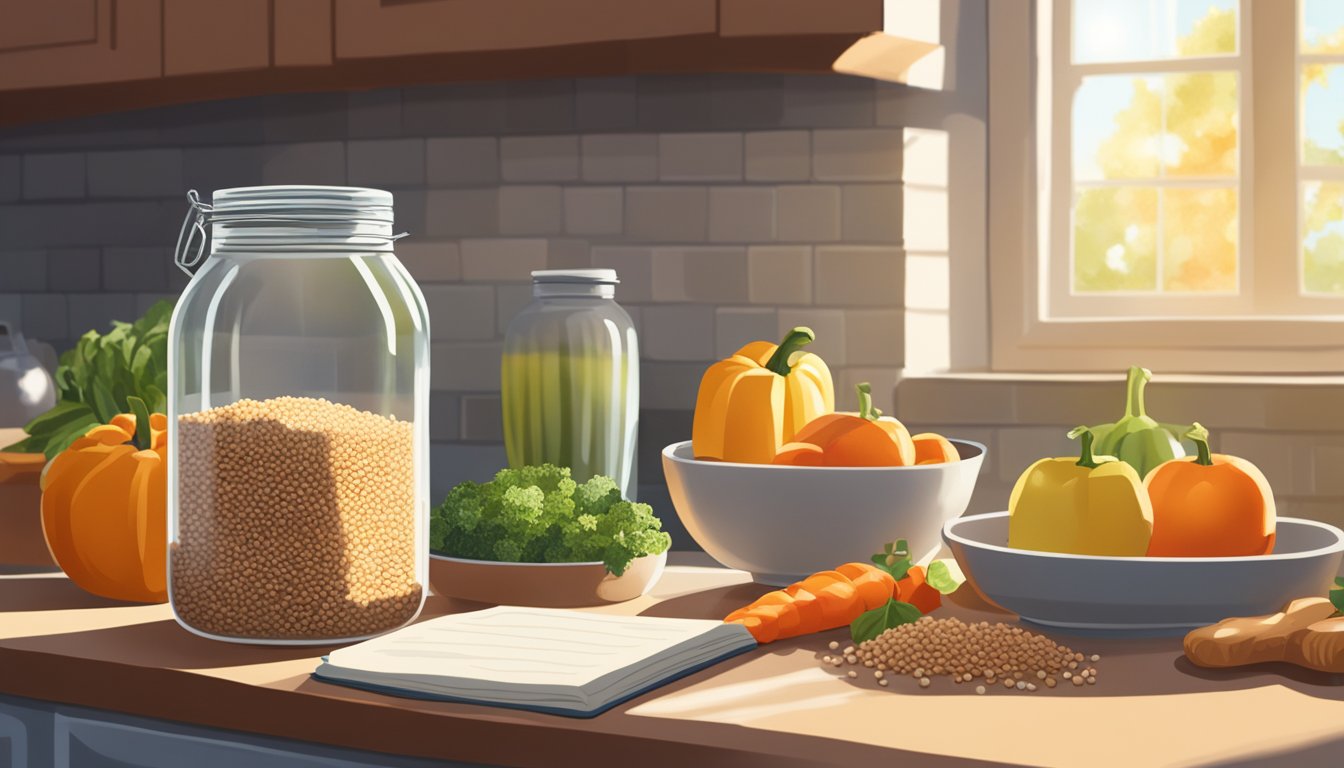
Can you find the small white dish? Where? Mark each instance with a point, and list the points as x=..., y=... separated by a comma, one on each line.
x=542, y=585
x=1091, y=594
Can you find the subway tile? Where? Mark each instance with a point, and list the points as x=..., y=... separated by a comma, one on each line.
x=634, y=268
x=539, y=158
x=136, y=269
x=778, y=156
x=460, y=109
x=737, y=326
x=874, y=337
x=925, y=159
x=668, y=385
x=859, y=276
x=97, y=311
x=11, y=178
x=310, y=163
x=667, y=214
x=445, y=414
x=746, y=101
x=460, y=312
x=462, y=161
x=872, y=154
x=928, y=282
x=207, y=169
x=44, y=316
x=741, y=214
x=466, y=366
x=825, y=101
x=453, y=463
x=700, y=157
x=674, y=102
x=510, y=299
x=594, y=210
x=568, y=253
x=659, y=428
x=462, y=212
x=409, y=211
x=482, y=418
x=620, y=157
x=827, y=324
x=1226, y=406
x=807, y=213
x=102, y=223
x=502, y=260
x=926, y=219
x=386, y=162
x=871, y=213
x=227, y=121
x=779, y=274
x=1285, y=459
x=531, y=210
x=431, y=262
x=143, y=301
x=304, y=117
x=955, y=401
x=539, y=106
x=605, y=104
x=76, y=270
x=47, y=177
x=700, y=274
x=881, y=383
x=678, y=332
x=1325, y=475
x=135, y=173
x=23, y=271
x=1019, y=447
x=373, y=114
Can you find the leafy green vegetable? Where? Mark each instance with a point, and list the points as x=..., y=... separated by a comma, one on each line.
x=941, y=577
x=872, y=623
x=540, y=515
x=894, y=558
x=98, y=377
x=1337, y=595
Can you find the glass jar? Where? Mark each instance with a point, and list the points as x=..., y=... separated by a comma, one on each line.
x=298, y=478
x=570, y=378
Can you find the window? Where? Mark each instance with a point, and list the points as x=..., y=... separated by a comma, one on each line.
x=1188, y=171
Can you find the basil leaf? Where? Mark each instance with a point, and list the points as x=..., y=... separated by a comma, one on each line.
x=941, y=578
x=1337, y=596
x=62, y=440
x=873, y=623
x=61, y=414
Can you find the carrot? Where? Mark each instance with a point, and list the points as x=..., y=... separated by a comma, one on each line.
x=915, y=590
x=824, y=600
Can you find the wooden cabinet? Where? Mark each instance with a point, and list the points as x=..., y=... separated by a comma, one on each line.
x=77, y=42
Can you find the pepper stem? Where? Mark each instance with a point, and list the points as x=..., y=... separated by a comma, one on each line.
x=795, y=340
x=1085, y=457
x=866, y=408
x=141, y=411
x=1200, y=436
x=1138, y=380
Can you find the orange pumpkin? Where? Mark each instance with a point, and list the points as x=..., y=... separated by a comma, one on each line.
x=104, y=510
x=933, y=448
x=1210, y=505
x=865, y=439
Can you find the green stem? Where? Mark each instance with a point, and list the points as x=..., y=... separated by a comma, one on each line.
x=1200, y=436
x=1138, y=380
x=1085, y=458
x=796, y=339
x=866, y=409
x=141, y=411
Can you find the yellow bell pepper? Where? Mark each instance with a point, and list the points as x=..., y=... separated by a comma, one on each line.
x=758, y=399
x=1092, y=505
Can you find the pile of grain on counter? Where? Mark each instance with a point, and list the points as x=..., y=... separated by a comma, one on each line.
x=296, y=521
x=993, y=654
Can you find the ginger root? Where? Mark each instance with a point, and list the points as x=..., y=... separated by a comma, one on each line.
x=1302, y=633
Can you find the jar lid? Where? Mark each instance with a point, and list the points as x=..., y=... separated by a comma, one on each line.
x=303, y=202
x=575, y=276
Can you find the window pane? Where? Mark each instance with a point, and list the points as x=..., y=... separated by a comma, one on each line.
x=1323, y=114
x=1115, y=239
x=1201, y=112
x=1322, y=26
x=1117, y=125
x=1323, y=237
x=1199, y=240
x=1118, y=30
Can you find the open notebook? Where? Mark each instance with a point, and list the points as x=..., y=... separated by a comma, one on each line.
x=548, y=660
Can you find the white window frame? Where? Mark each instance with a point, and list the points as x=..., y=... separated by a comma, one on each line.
x=1269, y=329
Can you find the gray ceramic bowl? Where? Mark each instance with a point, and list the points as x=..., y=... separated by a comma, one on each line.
x=1142, y=595
x=783, y=523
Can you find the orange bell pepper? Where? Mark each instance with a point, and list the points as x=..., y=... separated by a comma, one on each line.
x=759, y=398
x=863, y=439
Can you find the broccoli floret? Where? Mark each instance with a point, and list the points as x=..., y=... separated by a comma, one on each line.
x=539, y=514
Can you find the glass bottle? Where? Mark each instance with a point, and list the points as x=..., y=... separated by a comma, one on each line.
x=570, y=378
x=298, y=482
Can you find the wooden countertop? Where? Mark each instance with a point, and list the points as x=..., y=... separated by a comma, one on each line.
x=775, y=706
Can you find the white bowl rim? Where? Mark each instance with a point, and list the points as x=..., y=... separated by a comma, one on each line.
x=671, y=452
x=1336, y=546
x=598, y=563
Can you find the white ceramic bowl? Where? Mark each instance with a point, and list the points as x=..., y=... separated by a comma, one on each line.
x=544, y=585
x=1142, y=595
x=782, y=523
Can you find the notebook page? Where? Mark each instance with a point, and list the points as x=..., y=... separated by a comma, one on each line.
x=526, y=646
